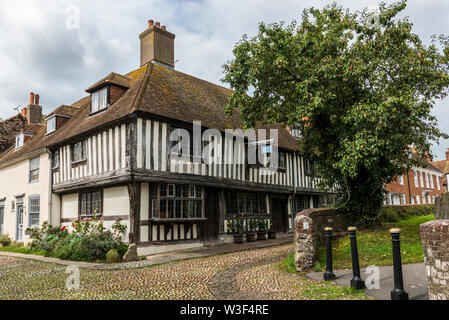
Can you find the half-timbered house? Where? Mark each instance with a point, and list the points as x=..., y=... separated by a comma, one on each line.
x=114, y=159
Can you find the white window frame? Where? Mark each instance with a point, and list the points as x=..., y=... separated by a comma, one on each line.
x=97, y=105
x=423, y=194
x=427, y=175
x=438, y=182
x=401, y=180
x=34, y=169
x=34, y=209
x=51, y=124
x=412, y=200
x=432, y=185
x=416, y=179
x=402, y=198
x=421, y=179
x=418, y=199
x=19, y=140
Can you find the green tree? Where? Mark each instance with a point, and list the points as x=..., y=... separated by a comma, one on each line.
x=361, y=95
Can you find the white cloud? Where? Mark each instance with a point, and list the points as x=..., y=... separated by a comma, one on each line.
x=38, y=53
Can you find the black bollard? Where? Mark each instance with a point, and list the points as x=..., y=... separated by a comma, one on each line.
x=398, y=293
x=356, y=281
x=329, y=274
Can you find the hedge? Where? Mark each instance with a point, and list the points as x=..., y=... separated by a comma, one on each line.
x=394, y=213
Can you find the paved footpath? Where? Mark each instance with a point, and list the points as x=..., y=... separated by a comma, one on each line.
x=414, y=281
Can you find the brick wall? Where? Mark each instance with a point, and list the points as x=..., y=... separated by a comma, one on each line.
x=408, y=188
x=435, y=241
x=309, y=233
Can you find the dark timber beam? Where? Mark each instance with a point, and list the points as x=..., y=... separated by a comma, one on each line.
x=134, y=190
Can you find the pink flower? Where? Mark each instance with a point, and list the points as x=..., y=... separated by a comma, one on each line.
x=87, y=219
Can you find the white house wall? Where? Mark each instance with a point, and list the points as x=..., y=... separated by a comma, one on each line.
x=14, y=181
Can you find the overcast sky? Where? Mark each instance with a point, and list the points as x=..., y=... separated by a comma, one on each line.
x=43, y=50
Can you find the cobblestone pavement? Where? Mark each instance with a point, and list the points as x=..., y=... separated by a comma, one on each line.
x=235, y=275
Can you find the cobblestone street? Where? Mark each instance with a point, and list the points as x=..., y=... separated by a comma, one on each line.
x=252, y=274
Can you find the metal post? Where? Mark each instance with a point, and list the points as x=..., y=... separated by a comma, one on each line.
x=329, y=274
x=356, y=281
x=398, y=293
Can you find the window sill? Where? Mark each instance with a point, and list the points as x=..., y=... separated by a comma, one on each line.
x=178, y=220
x=79, y=163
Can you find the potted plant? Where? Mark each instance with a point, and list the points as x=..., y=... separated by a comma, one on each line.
x=271, y=232
x=251, y=233
x=262, y=232
x=236, y=227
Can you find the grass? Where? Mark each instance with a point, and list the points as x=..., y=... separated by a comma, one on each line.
x=19, y=248
x=374, y=245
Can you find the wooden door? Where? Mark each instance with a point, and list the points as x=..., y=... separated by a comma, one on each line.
x=210, y=227
x=279, y=215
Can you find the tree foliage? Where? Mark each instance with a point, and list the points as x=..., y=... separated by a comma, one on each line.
x=360, y=95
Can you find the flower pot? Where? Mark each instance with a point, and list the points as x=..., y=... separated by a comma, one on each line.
x=251, y=236
x=271, y=234
x=261, y=235
x=238, y=238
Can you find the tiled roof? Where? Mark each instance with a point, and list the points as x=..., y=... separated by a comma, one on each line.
x=112, y=78
x=8, y=131
x=152, y=89
x=63, y=110
x=167, y=93
x=39, y=139
x=442, y=165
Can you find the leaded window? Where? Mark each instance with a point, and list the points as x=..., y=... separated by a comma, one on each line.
x=245, y=203
x=90, y=204
x=79, y=151
x=51, y=125
x=55, y=160
x=300, y=203
x=177, y=201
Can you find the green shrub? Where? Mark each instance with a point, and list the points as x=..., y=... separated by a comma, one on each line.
x=5, y=240
x=122, y=249
x=90, y=241
x=112, y=256
x=394, y=213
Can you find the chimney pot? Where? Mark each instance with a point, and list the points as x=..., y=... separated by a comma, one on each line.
x=36, y=99
x=31, y=98
x=447, y=154
x=150, y=23
x=157, y=45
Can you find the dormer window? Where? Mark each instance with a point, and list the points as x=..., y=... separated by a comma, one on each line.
x=100, y=100
x=51, y=125
x=19, y=141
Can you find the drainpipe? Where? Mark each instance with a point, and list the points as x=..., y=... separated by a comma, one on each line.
x=409, y=190
x=50, y=193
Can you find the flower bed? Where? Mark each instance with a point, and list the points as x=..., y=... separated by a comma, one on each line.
x=90, y=240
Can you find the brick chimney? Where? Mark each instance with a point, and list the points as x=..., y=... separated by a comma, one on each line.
x=157, y=45
x=34, y=110
x=447, y=154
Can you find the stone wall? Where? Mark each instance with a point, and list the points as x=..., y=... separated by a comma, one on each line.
x=435, y=241
x=442, y=206
x=309, y=233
